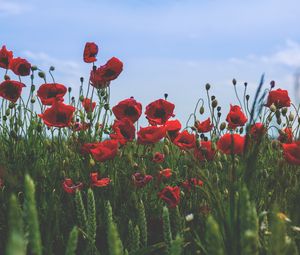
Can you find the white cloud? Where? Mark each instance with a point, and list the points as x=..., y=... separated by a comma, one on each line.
x=12, y=8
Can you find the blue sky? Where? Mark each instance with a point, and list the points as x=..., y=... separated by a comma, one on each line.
x=166, y=46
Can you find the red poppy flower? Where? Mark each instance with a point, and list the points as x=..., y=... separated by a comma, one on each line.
x=291, y=153
x=141, y=180
x=150, y=135
x=20, y=66
x=171, y=195
x=158, y=157
x=5, y=57
x=205, y=152
x=128, y=108
x=101, y=77
x=88, y=105
x=204, y=126
x=11, y=90
x=159, y=111
x=257, y=130
x=105, y=150
x=87, y=147
x=90, y=52
x=51, y=92
x=193, y=182
x=173, y=128
x=165, y=173
x=77, y=126
x=235, y=118
x=99, y=182
x=279, y=98
x=123, y=131
x=185, y=140
x=286, y=136
x=231, y=143
x=70, y=187
x=58, y=115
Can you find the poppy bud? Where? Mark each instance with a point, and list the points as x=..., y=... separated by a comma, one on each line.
x=207, y=86
x=6, y=77
x=34, y=68
x=219, y=114
x=81, y=79
x=272, y=83
x=213, y=98
x=247, y=97
x=89, y=115
x=92, y=162
x=284, y=111
x=291, y=116
x=245, y=84
x=106, y=107
x=234, y=81
x=41, y=74
x=166, y=96
x=69, y=89
x=272, y=108
x=32, y=100
x=279, y=121
x=11, y=105
x=214, y=103
x=219, y=108
x=52, y=68
x=81, y=98
x=222, y=126
x=201, y=110
x=166, y=150
x=4, y=118
x=7, y=112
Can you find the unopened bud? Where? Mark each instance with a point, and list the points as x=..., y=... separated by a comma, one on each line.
x=245, y=84
x=284, y=111
x=201, y=110
x=222, y=126
x=166, y=96
x=34, y=68
x=41, y=74
x=214, y=103
x=272, y=84
x=92, y=162
x=106, y=107
x=291, y=116
x=219, y=108
x=234, y=81
x=273, y=108
x=69, y=89
x=207, y=86
x=247, y=97
x=32, y=100
x=213, y=98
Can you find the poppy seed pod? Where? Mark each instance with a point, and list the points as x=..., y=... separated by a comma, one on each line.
x=234, y=81
x=222, y=126
x=81, y=79
x=52, y=68
x=41, y=74
x=207, y=86
x=284, y=111
x=201, y=110
x=272, y=84
x=247, y=97
x=34, y=68
x=69, y=89
x=273, y=108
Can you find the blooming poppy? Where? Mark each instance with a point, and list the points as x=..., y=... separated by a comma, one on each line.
x=159, y=111
x=128, y=108
x=185, y=140
x=280, y=98
x=173, y=127
x=11, y=90
x=158, y=157
x=51, y=92
x=5, y=57
x=286, y=135
x=171, y=195
x=123, y=131
x=150, y=135
x=78, y=126
x=257, y=130
x=88, y=105
x=70, y=187
x=105, y=150
x=58, y=115
x=90, y=52
x=205, y=152
x=101, y=77
x=204, y=126
x=192, y=182
x=96, y=182
x=165, y=173
x=86, y=148
x=236, y=118
x=231, y=143
x=20, y=66
x=291, y=152
x=140, y=180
